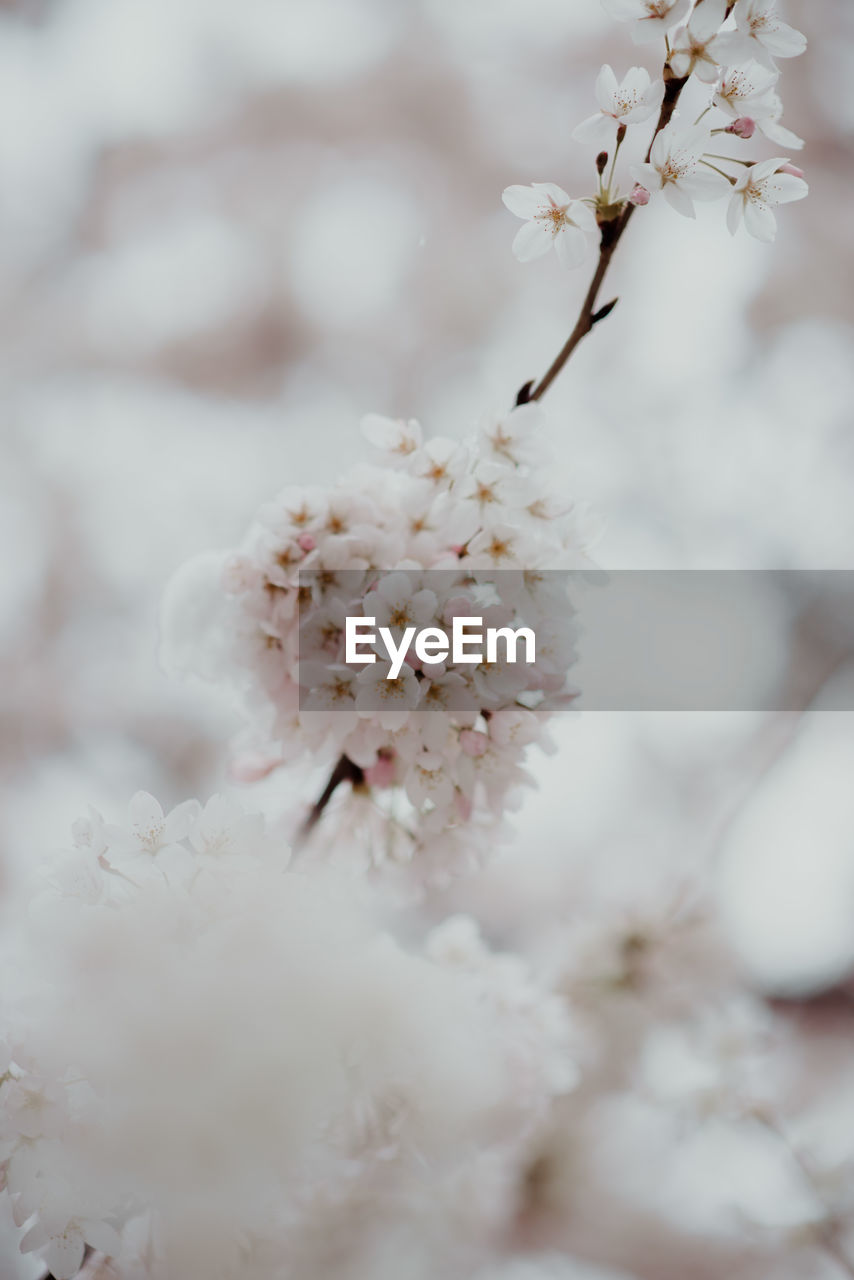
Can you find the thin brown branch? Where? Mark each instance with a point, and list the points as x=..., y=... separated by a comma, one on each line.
x=611, y=233
x=345, y=771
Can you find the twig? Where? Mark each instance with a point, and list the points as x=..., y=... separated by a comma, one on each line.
x=611, y=234
x=345, y=771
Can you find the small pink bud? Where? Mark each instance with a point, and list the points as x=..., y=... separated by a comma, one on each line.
x=743, y=127
x=473, y=742
x=306, y=542
x=380, y=774
x=639, y=196
x=792, y=169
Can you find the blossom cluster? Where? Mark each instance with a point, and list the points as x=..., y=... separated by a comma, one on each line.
x=206, y=1051
x=729, y=48
x=415, y=541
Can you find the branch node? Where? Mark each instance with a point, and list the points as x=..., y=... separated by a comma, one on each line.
x=603, y=312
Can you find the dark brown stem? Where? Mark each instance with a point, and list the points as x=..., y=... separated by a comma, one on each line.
x=344, y=771
x=611, y=234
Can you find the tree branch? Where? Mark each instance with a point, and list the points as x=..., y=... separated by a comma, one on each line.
x=611, y=233
x=345, y=771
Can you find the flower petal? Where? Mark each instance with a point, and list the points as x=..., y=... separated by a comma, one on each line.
x=65, y=1254
x=760, y=221
x=571, y=245
x=552, y=192
x=523, y=201
x=531, y=241
x=734, y=213
x=606, y=88
x=679, y=200
x=595, y=129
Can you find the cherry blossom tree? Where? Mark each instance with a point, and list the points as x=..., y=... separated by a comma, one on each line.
x=234, y=1048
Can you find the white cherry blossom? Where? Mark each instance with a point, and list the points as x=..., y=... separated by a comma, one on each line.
x=552, y=218
x=744, y=91
x=651, y=19
x=757, y=193
x=764, y=34
x=697, y=48
x=676, y=169
x=632, y=101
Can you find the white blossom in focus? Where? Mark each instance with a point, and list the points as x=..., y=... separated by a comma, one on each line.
x=757, y=193
x=552, y=218
x=676, y=169
x=764, y=35
x=651, y=19
x=636, y=99
x=744, y=91
x=696, y=48
x=749, y=92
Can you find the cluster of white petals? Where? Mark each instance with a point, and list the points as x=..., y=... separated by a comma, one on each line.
x=731, y=48
x=209, y=1053
x=414, y=541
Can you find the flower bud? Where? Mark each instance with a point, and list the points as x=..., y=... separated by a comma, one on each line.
x=307, y=542
x=639, y=196
x=792, y=169
x=382, y=772
x=601, y=161
x=743, y=127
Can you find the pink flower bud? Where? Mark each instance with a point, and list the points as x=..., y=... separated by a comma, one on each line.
x=792, y=169
x=743, y=127
x=306, y=542
x=639, y=195
x=380, y=774
x=473, y=743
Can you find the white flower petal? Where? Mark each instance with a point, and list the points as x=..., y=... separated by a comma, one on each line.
x=596, y=129
x=760, y=221
x=571, y=246
x=523, y=201
x=583, y=216
x=707, y=20
x=65, y=1254
x=144, y=811
x=705, y=184
x=679, y=200
x=552, y=192
x=783, y=188
x=531, y=241
x=783, y=41
x=606, y=88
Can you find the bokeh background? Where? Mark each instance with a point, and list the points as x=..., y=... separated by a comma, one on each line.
x=228, y=228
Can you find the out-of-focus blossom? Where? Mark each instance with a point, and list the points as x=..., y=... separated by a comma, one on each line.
x=233, y=1051
x=651, y=19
